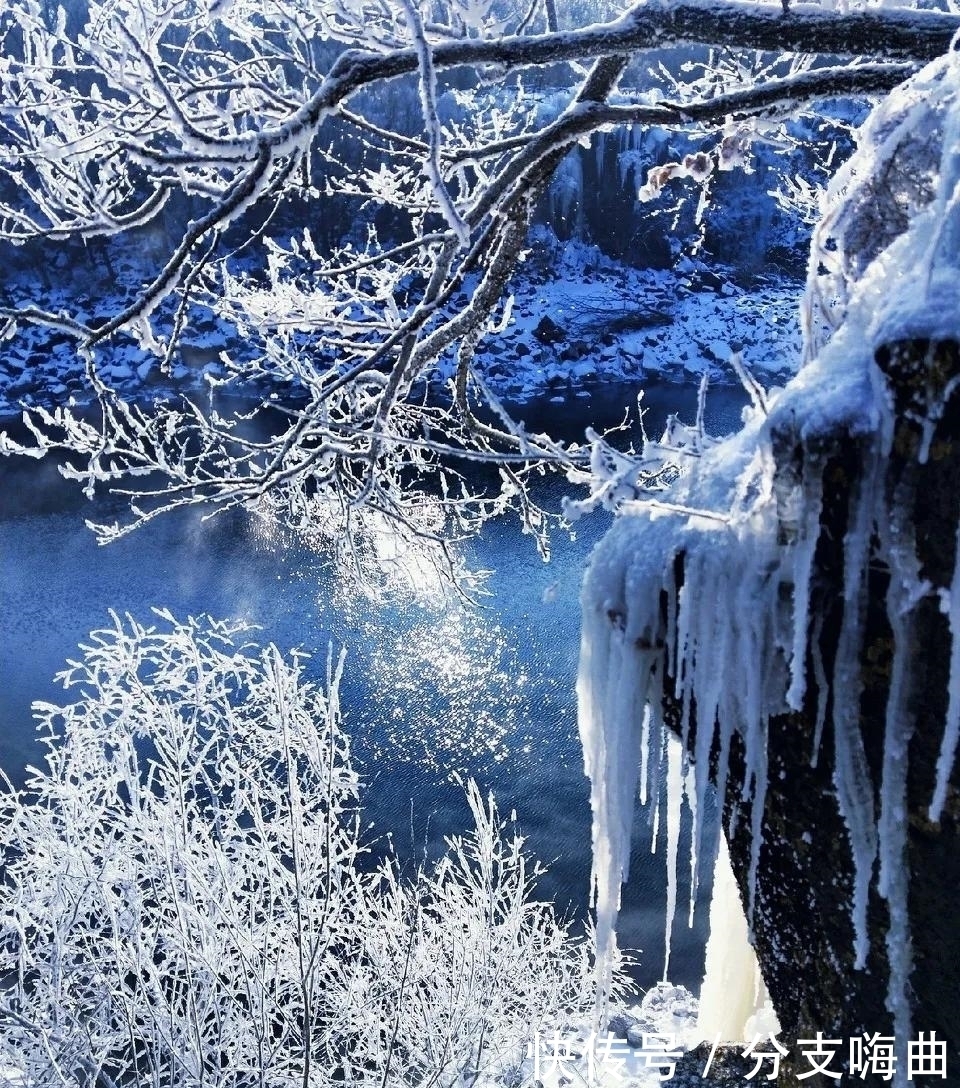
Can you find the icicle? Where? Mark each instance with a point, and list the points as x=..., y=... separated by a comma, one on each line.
x=735, y=654
x=803, y=554
x=671, y=640
x=613, y=681
x=625, y=165
x=645, y=756
x=674, y=798
x=906, y=588
x=656, y=738
x=758, y=800
x=951, y=727
x=720, y=648
x=756, y=602
x=594, y=655
x=892, y=836
x=655, y=816
x=710, y=678
x=690, y=792
x=855, y=793
x=732, y=992
x=566, y=187
x=683, y=673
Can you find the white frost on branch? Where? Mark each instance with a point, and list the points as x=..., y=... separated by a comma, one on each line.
x=431, y=123
x=206, y=118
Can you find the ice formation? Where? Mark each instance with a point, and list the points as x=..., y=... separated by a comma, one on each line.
x=734, y=638
x=734, y=1004
x=636, y=625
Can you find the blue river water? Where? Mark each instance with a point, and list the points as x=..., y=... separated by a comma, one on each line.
x=484, y=690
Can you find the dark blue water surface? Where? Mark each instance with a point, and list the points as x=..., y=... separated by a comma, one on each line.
x=486, y=691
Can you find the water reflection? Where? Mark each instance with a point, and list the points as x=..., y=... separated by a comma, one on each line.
x=484, y=690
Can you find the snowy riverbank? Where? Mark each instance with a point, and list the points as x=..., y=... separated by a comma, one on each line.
x=577, y=319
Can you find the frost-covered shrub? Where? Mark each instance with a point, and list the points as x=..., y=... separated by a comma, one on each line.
x=184, y=901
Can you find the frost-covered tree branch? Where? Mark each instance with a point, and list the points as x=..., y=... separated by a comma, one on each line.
x=214, y=125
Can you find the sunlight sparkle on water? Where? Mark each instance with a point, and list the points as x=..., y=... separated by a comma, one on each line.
x=457, y=687
x=432, y=679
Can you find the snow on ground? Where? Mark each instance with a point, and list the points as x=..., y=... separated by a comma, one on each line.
x=579, y=319
x=653, y=1042
x=593, y=320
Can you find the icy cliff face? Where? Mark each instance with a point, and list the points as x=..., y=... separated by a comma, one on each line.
x=700, y=619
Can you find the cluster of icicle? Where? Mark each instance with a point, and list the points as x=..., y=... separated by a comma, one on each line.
x=735, y=637
x=712, y=637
